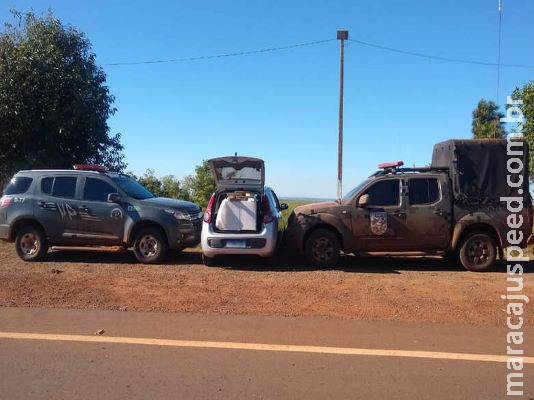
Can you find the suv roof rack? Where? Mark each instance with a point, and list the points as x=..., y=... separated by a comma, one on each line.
x=89, y=167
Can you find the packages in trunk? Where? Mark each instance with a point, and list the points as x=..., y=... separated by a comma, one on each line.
x=237, y=212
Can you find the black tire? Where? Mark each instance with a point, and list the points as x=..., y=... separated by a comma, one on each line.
x=31, y=243
x=322, y=248
x=478, y=252
x=150, y=246
x=209, y=261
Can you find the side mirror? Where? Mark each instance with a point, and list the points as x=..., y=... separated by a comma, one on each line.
x=283, y=206
x=363, y=200
x=114, y=198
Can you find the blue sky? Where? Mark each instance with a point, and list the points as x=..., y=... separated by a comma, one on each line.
x=283, y=106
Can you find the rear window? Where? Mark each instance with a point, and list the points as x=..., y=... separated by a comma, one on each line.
x=423, y=191
x=18, y=185
x=233, y=173
x=60, y=186
x=64, y=186
x=46, y=185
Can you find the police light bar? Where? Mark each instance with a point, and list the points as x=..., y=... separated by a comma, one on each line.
x=89, y=167
x=391, y=164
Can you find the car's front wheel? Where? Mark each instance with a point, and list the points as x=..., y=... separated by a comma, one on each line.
x=150, y=246
x=478, y=252
x=31, y=243
x=322, y=248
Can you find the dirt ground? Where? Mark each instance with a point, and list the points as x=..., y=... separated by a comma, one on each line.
x=368, y=288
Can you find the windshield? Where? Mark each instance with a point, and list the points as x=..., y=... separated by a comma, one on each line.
x=351, y=194
x=132, y=187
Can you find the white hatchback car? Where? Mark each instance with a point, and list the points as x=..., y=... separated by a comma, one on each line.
x=243, y=216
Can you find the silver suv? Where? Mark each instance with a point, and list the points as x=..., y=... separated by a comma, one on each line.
x=89, y=206
x=243, y=216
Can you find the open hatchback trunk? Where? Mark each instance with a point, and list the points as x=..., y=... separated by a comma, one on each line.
x=238, y=172
x=238, y=201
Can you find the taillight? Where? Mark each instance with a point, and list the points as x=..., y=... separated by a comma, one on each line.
x=5, y=201
x=207, y=213
x=267, y=212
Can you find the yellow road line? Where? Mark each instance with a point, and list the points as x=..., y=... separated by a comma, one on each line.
x=262, y=347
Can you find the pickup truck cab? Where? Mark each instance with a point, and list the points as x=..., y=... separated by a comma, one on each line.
x=403, y=211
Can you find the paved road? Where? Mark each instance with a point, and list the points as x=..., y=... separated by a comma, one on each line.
x=188, y=362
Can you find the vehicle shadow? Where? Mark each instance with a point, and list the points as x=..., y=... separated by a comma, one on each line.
x=92, y=256
x=353, y=264
x=287, y=262
x=284, y=262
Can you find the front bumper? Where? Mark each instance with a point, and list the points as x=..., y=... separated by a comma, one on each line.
x=186, y=235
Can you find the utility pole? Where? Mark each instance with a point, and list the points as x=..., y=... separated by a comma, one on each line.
x=497, y=125
x=342, y=35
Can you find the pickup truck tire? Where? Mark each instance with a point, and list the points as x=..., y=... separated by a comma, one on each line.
x=31, y=243
x=150, y=246
x=478, y=252
x=322, y=248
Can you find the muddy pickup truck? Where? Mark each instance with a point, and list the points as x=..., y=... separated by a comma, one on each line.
x=453, y=207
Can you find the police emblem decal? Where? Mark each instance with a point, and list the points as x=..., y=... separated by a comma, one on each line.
x=379, y=223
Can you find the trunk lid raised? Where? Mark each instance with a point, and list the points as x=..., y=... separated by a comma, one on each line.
x=238, y=172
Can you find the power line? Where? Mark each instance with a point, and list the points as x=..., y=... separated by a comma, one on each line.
x=316, y=42
x=439, y=58
x=236, y=54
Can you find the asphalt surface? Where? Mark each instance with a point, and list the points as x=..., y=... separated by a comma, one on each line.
x=58, y=369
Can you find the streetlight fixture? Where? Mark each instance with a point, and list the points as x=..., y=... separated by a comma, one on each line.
x=342, y=35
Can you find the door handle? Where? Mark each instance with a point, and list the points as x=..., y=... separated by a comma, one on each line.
x=84, y=209
x=439, y=212
x=400, y=214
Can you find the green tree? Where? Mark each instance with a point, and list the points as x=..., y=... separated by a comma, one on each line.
x=486, y=121
x=526, y=94
x=151, y=182
x=54, y=102
x=200, y=186
x=171, y=188
x=167, y=186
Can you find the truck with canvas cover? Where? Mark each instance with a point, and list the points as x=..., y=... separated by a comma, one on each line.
x=458, y=206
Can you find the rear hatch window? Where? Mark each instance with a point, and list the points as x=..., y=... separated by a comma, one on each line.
x=18, y=185
x=238, y=172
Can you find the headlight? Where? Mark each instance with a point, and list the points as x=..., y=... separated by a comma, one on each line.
x=179, y=215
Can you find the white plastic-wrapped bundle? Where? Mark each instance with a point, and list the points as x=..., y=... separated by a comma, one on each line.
x=237, y=215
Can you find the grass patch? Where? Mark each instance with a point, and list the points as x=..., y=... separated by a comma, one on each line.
x=292, y=204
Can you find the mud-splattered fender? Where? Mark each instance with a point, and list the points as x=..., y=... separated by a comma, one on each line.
x=481, y=220
x=302, y=225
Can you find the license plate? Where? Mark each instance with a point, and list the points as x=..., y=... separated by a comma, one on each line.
x=236, y=244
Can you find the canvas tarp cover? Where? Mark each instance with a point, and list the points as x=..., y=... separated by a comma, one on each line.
x=478, y=169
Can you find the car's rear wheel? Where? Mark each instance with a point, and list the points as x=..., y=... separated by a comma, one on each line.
x=150, y=246
x=209, y=261
x=31, y=243
x=322, y=248
x=478, y=252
